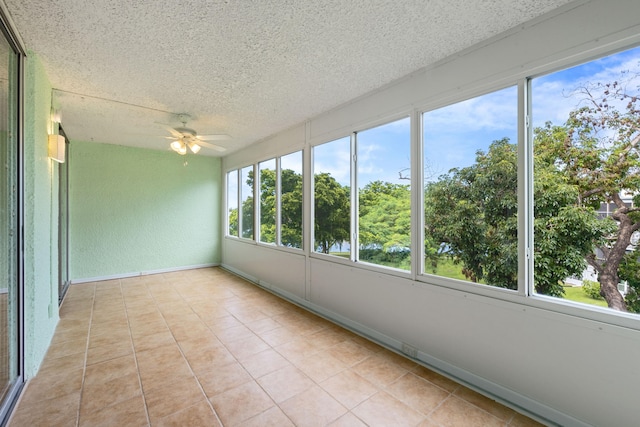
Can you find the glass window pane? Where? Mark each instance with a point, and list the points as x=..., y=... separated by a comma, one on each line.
x=470, y=193
x=586, y=123
x=268, y=201
x=332, y=205
x=291, y=200
x=246, y=200
x=384, y=194
x=232, y=203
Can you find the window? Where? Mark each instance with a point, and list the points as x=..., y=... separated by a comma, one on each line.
x=384, y=194
x=268, y=201
x=332, y=203
x=291, y=200
x=586, y=128
x=246, y=201
x=232, y=203
x=281, y=200
x=470, y=190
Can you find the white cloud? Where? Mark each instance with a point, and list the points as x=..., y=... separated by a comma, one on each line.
x=333, y=158
x=492, y=111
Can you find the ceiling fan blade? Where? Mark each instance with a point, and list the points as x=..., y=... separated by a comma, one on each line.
x=209, y=145
x=171, y=130
x=218, y=137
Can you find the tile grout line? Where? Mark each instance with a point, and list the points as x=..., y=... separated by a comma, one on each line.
x=135, y=355
x=86, y=355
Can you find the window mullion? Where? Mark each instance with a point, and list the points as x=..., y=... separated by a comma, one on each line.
x=354, y=198
x=417, y=195
x=278, y=218
x=239, y=200
x=525, y=190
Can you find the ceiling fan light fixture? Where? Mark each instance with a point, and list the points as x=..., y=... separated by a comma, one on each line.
x=186, y=139
x=179, y=147
x=194, y=147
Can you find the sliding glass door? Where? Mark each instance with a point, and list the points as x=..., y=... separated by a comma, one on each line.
x=63, y=222
x=10, y=224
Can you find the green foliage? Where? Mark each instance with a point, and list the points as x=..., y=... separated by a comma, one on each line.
x=331, y=212
x=290, y=207
x=565, y=232
x=268, y=205
x=233, y=222
x=385, y=224
x=470, y=215
x=247, y=208
x=247, y=218
x=630, y=271
x=396, y=259
x=591, y=289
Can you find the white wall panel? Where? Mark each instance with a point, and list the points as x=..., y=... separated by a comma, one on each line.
x=283, y=268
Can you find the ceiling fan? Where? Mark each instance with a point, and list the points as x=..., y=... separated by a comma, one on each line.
x=184, y=137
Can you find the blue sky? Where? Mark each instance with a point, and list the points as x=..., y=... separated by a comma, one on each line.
x=383, y=152
x=454, y=133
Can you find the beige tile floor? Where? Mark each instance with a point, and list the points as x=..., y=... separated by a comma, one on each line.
x=205, y=348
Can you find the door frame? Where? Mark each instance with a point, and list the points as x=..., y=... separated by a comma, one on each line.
x=7, y=29
x=63, y=222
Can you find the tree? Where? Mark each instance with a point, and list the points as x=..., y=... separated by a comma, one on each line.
x=331, y=212
x=385, y=223
x=630, y=271
x=233, y=222
x=472, y=212
x=291, y=208
x=247, y=208
x=267, y=205
x=566, y=232
x=597, y=153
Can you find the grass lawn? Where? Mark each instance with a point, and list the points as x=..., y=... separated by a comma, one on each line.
x=447, y=268
x=576, y=294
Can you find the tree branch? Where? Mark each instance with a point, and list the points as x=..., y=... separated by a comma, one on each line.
x=594, y=262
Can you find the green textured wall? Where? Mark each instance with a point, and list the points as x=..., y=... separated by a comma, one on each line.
x=136, y=210
x=40, y=218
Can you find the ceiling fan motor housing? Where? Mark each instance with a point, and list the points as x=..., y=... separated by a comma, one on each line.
x=186, y=131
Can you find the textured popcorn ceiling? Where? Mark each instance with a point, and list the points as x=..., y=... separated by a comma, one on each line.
x=245, y=68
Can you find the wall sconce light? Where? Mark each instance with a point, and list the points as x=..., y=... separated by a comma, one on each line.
x=57, y=148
